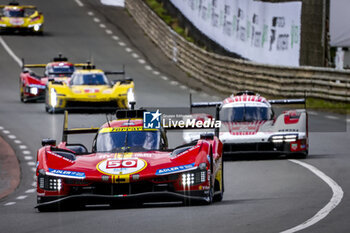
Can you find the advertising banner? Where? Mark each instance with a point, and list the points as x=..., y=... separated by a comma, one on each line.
x=339, y=27
x=262, y=32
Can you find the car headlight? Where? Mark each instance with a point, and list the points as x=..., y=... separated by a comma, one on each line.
x=193, y=178
x=50, y=183
x=34, y=90
x=188, y=179
x=53, y=97
x=36, y=27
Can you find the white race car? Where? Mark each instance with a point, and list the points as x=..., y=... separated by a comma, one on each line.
x=249, y=126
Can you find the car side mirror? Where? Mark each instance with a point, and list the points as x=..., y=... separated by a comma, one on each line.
x=48, y=142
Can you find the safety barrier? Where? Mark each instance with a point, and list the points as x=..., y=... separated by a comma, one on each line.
x=229, y=75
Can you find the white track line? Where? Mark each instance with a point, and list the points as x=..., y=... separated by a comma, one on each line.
x=17, y=141
x=135, y=55
x=147, y=67
x=9, y=203
x=90, y=13
x=164, y=78
x=115, y=37
x=22, y=147
x=102, y=25
x=6, y=131
x=79, y=3
x=141, y=61
x=174, y=83
x=30, y=191
x=31, y=163
x=156, y=72
x=312, y=113
x=97, y=20
x=28, y=157
x=1, y=128
x=109, y=32
x=26, y=152
x=11, y=136
x=122, y=44
x=10, y=52
x=21, y=197
x=335, y=200
x=348, y=120
x=332, y=117
x=129, y=50
x=183, y=87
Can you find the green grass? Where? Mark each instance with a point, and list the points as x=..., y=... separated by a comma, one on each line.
x=158, y=8
x=328, y=106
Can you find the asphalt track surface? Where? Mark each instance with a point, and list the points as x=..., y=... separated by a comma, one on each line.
x=261, y=195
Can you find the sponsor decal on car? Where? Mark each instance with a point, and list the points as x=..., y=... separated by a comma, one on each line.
x=121, y=129
x=294, y=146
x=119, y=166
x=181, y=168
x=16, y=21
x=67, y=174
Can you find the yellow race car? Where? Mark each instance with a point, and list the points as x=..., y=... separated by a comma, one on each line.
x=89, y=89
x=16, y=18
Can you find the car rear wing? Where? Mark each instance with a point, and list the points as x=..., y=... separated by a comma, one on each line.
x=217, y=106
x=22, y=6
x=67, y=131
x=115, y=72
x=60, y=58
x=120, y=72
x=287, y=101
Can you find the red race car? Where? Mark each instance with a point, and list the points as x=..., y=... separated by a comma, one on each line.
x=32, y=86
x=127, y=162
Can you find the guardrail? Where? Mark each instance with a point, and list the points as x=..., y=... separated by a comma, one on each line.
x=229, y=75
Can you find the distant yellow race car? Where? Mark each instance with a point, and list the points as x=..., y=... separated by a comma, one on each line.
x=89, y=89
x=16, y=18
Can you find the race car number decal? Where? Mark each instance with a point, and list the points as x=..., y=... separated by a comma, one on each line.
x=121, y=166
x=16, y=22
x=91, y=90
x=118, y=164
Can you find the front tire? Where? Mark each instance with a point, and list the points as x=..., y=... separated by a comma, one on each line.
x=219, y=196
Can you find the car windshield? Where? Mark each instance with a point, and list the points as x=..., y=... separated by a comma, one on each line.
x=129, y=141
x=13, y=13
x=57, y=71
x=89, y=79
x=244, y=114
